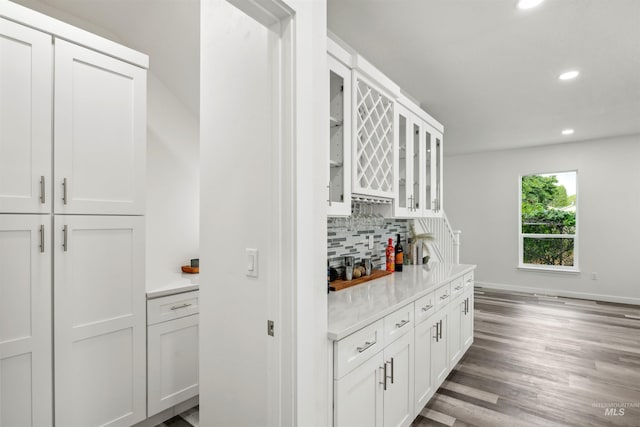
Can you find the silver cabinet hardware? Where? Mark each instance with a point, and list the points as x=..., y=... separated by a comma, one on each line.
x=457, y=288
x=384, y=376
x=177, y=307
x=42, y=190
x=469, y=280
x=427, y=307
x=445, y=296
x=65, y=232
x=64, y=191
x=440, y=328
x=392, y=375
x=402, y=323
x=366, y=345
x=42, y=238
x=436, y=336
x=271, y=326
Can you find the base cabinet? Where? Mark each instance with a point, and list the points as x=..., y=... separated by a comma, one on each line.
x=439, y=354
x=398, y=395
x=358, y=395
x=460, y=327
x=423, y=381
x=467, y=322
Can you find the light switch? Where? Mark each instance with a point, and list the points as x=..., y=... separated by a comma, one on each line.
x=252, y=262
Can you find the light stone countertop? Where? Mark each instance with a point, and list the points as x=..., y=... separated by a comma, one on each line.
x=353, y=308
x=185, y=285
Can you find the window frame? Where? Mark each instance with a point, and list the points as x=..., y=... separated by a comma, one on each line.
x=575, y=236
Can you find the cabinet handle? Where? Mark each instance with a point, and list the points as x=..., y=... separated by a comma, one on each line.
x=65, y=232
x=436, y=336
x=366, y=345
x=64, y=191
x=427, y=307
x=469, y=280
x=401, y=324
x=445, y=296
x=42, y=238
x=42, y=190
x=392, y=376
x=177, y=307
x=384, y=376
x=458, y=287
x=440, y=328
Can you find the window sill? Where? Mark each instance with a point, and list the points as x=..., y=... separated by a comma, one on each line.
x=549, y=269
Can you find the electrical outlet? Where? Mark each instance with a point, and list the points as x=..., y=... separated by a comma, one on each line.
x=594, y=276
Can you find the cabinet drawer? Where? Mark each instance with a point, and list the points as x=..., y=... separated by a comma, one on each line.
x=352, y=351
x=172, y=307
x=398, y=323
x=443, y=295
x=457, y=287
x=424, y=307
x=468, y=280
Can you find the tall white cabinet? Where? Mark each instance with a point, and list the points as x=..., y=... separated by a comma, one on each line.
x=73, y=283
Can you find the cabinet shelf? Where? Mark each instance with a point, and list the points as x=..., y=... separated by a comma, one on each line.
x=334, y=123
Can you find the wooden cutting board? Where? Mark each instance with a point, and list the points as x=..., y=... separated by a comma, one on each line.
x=338, y=285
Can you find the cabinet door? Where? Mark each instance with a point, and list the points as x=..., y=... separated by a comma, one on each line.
x=454, y=339
x=398, y=397
x=423, y=384
x=403, y=148
x=25, y=320
x=172, y=354
x=340, y=138
x=99, y=320
x=100, y=133
x=439, y=359
x=467, y=322
x=432, y=171
x=373, y=173
x=26, y=74
x=358, y=396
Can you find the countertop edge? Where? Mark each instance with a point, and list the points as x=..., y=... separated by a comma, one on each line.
x=159, y=293
x=336, y=336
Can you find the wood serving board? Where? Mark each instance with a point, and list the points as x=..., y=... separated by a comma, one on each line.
x=338, y=285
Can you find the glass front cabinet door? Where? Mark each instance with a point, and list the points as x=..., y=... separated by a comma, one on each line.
x=432, y=171
x=339, y=187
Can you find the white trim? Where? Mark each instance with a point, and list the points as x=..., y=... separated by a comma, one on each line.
x=39, y=21
x=559, y=292
x=549, y=268
x=340, y=53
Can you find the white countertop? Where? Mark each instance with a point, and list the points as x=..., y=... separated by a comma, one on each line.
x=354, y=308
x=173, y=288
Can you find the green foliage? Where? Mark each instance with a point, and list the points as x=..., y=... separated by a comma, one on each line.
x=542, y=199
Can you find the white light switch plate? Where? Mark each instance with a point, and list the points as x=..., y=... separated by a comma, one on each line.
x=252, y=262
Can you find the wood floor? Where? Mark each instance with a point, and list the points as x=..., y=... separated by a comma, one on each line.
x=544, y=361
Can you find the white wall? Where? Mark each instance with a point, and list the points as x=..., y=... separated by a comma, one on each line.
x=482, y=201
x=173, y=187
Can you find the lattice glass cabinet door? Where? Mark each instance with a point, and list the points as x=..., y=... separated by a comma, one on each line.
x=339, y=138
x=373, y=140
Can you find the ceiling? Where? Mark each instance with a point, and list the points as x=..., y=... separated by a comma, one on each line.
x=166, y=30
x=485, y=69
x=488, y=70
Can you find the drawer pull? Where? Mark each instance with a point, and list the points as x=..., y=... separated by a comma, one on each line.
x=384, y=376
x=366, y=345
x=458, y=288
x=177, y=307
x=469, y=280
x=392, y=375
x=401, y=324
x=445, y=296
x=427, y=307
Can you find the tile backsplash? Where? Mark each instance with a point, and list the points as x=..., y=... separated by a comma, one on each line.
x=342, y=242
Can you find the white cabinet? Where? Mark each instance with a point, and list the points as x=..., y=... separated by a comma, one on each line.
x=373, y=112
x=99, y=320
x=358, y=396
x=25, y=320
x=456, y=313
x=407, y=177
x=433, y=171
x=339, y=138
x=398, y=384
x=467, y=322
x=423, y=383
x=172, y=350
x=439, y=355
x=25, y=119
x=100, y=133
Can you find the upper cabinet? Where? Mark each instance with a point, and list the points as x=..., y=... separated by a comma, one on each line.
x=100, y=133
x=433, y=171
x=25, y=119
x=373, y=114
x=339, y=138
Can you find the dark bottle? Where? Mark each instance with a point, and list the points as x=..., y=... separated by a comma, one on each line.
x=399, y=255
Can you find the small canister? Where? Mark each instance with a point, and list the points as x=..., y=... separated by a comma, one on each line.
x=367, y=266
x=348, y=267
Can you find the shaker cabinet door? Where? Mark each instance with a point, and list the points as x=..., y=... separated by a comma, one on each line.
x=100, y=133
x=26, y=75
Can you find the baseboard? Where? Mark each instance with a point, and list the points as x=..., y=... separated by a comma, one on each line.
x=163, y=416
x=560, y=293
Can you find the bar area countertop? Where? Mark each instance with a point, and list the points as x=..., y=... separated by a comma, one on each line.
x=356, y=307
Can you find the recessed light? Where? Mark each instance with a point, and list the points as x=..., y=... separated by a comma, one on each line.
x=567, y=131
x=568, y=75
x=528, y=4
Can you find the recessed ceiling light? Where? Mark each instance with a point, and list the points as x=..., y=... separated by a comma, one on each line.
x=568, y=75
x=528, y=4
x=567, y=131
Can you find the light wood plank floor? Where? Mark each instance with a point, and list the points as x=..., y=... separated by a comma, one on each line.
x=544, y=361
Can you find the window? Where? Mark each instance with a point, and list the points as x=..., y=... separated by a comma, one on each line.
x=548, y=226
